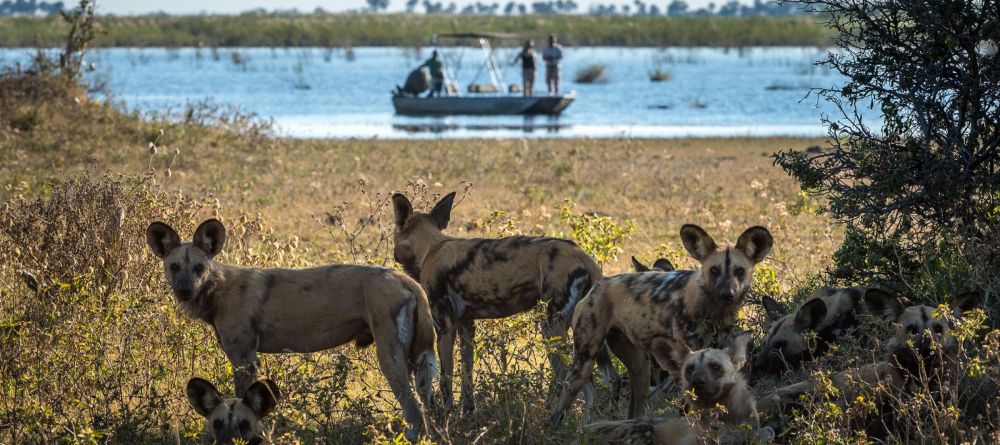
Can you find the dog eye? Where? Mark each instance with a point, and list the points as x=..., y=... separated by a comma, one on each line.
x=740, y=271
x=938, y=329
x=217, y=424
x=199, y=269
x=689, y=369
x=174, y=267
x=714, y=270
x=244, y=426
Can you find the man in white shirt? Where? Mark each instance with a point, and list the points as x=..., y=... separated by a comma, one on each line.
x=552, y=55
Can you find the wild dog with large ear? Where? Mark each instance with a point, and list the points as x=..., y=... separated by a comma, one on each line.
x=699, y=307
x=303, y=310
x=923, y=325
x=470, y=279
x=829, y=313
x=232, y=419
x=661, y=265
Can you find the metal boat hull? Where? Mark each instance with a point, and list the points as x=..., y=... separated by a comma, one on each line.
x=482, y=105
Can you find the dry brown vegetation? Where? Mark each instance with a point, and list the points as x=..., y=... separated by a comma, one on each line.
x=97, y=352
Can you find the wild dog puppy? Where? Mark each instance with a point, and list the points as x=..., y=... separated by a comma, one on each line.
x=829, y=313
x=698, y=307
x=233, y=419
x=306, y=310
x=720, y=392
x=921, y=340
x=470, y=279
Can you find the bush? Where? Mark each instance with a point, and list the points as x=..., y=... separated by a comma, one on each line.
x=926, y=185
x=659, y=75
x=596, y=73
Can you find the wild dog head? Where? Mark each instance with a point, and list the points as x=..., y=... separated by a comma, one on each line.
x=661, y=265
x=416, y=233
x=230, y=419
x=189, y=266
x=825, y=316
x=711, y=374
x=918, y=325
x=726, y=273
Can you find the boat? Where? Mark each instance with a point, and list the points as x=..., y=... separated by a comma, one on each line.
x=496, y=98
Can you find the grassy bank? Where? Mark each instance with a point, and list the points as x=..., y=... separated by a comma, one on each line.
x=340, y=30
x=96, y=350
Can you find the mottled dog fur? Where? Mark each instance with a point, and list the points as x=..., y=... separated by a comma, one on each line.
x=828, y=314
x=712, y=376
x=470, y=279
x=920, y=341
x=229, y=420
x=698, y=307
x=304, y=310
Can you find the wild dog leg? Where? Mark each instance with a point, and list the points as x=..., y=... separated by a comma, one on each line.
x=446, y=349
x=392, y=361
x=585, y=349
x=637, y=363
x=555, y=326
x=241, y=350
x=467, y=332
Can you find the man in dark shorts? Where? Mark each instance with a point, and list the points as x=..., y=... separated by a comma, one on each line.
x=527, y=58
x=436, y=67
x=552, y=56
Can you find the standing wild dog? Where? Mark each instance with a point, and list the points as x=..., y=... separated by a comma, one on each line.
x=233, y=419
x=470, y=279
x=306, y=310
x=921, y=340
x=698, y=307
x=713, y=377
x=829, y=313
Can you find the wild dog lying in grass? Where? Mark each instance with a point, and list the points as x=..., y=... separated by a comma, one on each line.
x=918, y=351
x=307, y=310
x=720, y=393
x=233, y=419
x=698, y=307
x=470, y=279
x=829, y=313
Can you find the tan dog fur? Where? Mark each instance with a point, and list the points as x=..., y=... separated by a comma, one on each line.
x=302, y=310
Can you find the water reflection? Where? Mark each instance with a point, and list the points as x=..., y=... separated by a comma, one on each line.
x=529, y=125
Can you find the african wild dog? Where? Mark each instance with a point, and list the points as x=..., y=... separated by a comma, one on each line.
x=698, y=307
x=921, y=341
x=305, y=310
x=233, y=419
x=712, y=377
x=470, y=279
x=829, y=313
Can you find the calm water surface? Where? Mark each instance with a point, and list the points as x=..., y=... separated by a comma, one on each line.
x=317, y=92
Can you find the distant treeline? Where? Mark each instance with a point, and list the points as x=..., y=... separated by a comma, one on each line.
x=674, y=8
x=415, y=30
x=30, y=7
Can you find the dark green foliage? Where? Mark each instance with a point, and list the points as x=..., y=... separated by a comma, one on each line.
x=925, y=187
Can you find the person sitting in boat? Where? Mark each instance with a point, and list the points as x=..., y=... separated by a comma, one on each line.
x=527, y=57
x=436, y=67
x=552, y=56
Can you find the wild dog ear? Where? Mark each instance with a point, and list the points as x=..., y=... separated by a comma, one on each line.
x=810, y=315
x=210, y=236
x=737, y=349
x=162, y=239
x=203, y=396
x=880, y=303
x=664, y=265
x=966, y=302
x=639, y=267
x=401, y=205
x=756, y=243
x=262, y=397
x=441, y=213
x=670, y=354
x=697, y=242
x=772, y=307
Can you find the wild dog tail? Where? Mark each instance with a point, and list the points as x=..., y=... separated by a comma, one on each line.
x=422, y=358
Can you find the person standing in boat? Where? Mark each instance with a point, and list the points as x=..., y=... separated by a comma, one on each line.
x=436, y=67
x=552, y=56
x=527, y=57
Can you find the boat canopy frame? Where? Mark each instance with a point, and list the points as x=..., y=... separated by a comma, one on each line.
x=492, y=66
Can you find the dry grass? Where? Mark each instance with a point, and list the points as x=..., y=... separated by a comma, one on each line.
x=99, y=353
